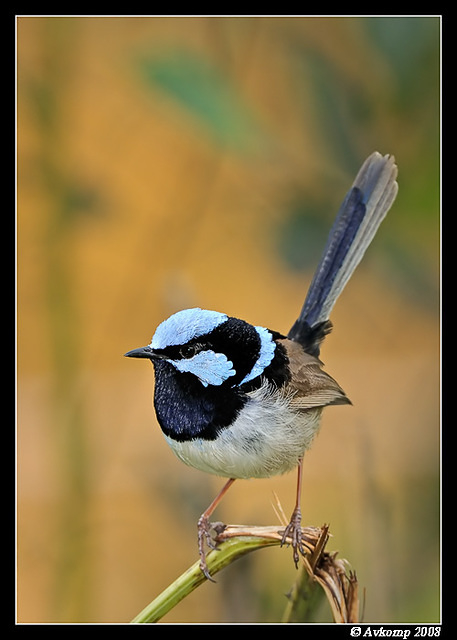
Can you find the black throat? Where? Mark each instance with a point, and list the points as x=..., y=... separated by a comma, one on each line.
x=186, y=409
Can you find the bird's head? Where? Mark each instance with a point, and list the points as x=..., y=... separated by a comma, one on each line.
x=215, y=348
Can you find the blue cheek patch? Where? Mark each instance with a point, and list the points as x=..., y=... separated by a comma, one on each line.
x=266, y=355
x=209, y=367
x=184, y=326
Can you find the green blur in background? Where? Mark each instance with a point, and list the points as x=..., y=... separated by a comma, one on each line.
x=168, y=162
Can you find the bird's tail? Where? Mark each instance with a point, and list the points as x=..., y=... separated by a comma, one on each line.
x=364, y=208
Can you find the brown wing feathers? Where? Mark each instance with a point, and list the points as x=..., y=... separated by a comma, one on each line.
x=310, y=384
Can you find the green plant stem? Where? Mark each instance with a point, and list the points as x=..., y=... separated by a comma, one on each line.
x=304, y=599
x=227, y=552
x=322, y=574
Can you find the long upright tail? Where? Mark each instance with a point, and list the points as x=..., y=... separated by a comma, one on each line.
x=364, y=208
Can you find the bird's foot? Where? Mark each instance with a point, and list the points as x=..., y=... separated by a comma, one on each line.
x=293, y=535
x=204, y=536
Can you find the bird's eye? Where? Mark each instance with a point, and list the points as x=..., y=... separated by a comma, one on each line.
x=188, y=350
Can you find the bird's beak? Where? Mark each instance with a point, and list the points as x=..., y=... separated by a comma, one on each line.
x=142, y=352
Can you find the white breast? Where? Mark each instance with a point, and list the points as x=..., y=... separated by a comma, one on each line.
x=267, y=439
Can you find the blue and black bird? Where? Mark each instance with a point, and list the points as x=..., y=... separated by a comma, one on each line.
x=243, y=401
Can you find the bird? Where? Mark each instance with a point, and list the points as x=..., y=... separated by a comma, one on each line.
x=244, y=402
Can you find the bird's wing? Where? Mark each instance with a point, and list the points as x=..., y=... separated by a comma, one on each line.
x=310, y=386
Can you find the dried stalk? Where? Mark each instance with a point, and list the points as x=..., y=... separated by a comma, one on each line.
x=322, y=567
x=319, y=568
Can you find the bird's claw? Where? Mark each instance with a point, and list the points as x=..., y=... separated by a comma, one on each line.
x=293, y=535
x=204, y=536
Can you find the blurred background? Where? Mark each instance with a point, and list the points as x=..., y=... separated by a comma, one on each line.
x=168, y=162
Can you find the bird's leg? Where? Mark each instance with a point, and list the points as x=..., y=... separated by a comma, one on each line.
x=293, y=529
x=204, y=528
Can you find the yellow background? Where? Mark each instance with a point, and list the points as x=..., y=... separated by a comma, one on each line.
x=173, y=162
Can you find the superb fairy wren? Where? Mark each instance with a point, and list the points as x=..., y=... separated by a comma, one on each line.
x=242, y=401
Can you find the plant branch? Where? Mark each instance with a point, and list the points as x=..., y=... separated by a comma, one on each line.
x=319, y=569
